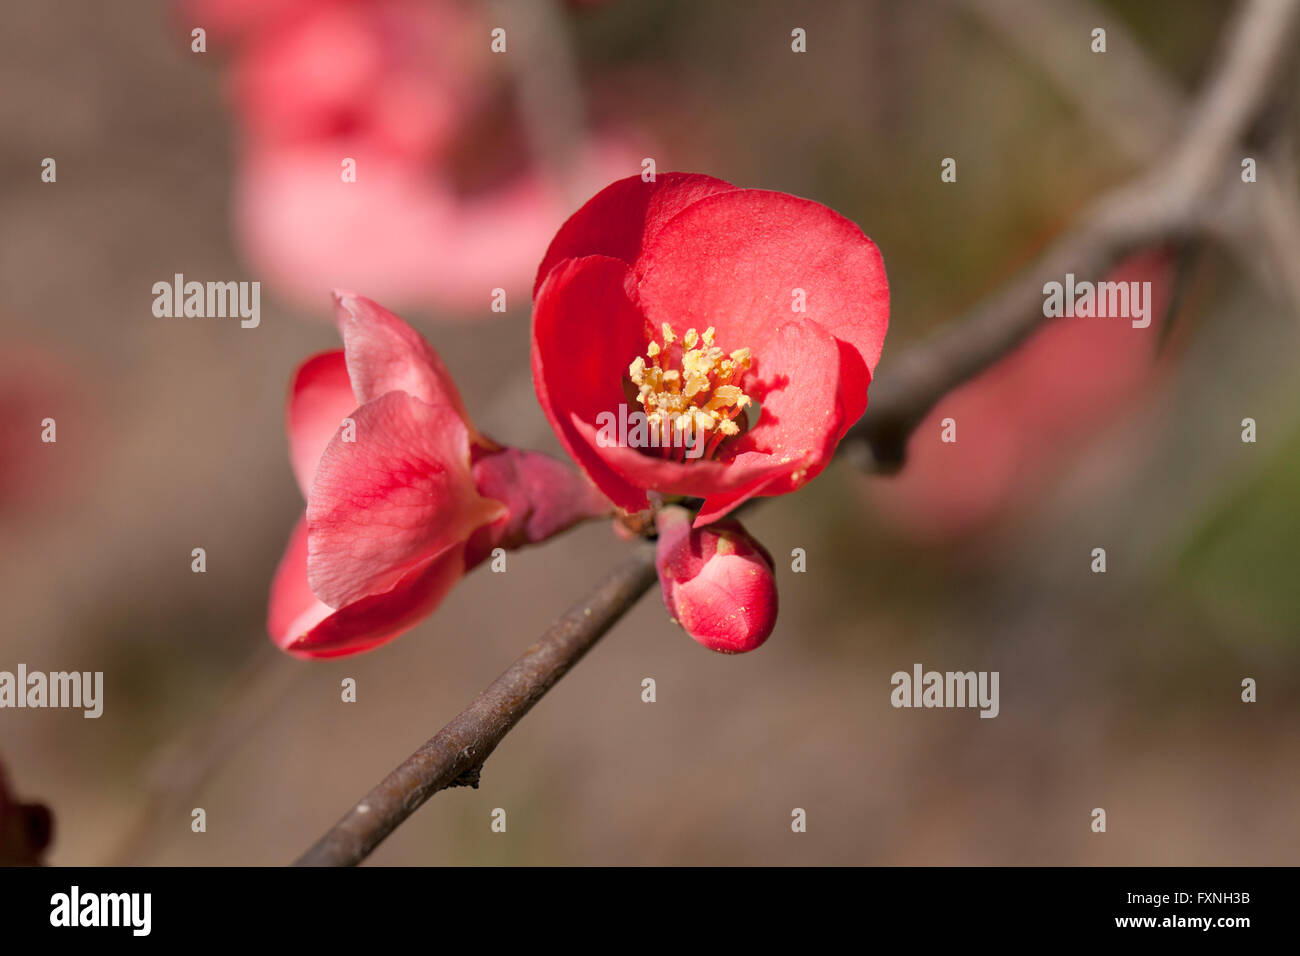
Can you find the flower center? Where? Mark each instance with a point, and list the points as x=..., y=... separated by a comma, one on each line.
x=690, y=392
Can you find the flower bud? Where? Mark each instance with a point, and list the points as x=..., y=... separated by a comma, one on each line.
x=718, y=582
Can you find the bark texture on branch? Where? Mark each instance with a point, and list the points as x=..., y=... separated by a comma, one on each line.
x=455, y=754
x=1180, y=195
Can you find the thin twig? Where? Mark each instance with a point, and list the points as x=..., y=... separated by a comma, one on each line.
x=457, y=752
x=1140, y=110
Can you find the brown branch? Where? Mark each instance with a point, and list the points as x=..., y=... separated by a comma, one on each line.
x=1140, y=110
x=457, y=752
x=1167, y=202
x=1174, y=199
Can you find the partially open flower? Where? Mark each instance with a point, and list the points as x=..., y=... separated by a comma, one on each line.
x=740, y=326
x=717, y=582
x=404, y=495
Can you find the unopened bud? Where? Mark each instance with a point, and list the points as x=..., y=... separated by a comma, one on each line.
x=718, y=582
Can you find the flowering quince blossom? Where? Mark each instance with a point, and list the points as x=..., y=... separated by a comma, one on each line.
x=717, y=582
x=748, y=319
x=403, y=494
x=753, y=317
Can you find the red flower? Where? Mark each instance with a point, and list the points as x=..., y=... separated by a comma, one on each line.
x=682, y=299
x=717, y=582
x=403, y=494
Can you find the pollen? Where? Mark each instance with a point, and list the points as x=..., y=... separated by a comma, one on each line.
x=694, y=390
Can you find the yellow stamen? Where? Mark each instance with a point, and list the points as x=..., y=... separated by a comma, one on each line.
x=697, y=392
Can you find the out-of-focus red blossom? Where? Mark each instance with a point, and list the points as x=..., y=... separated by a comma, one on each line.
x=26, y=829
x=402, y=498
x=401, y=87
x=36, y=385
x=235, y=18
x=717, y=582
x=1023, y=419
x=644, y=263
x=399, y=230
x=393, y=76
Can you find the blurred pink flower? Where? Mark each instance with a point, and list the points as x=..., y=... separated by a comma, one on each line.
x=1026, y=417
x=37, y=386
x=396, y=77
x=405, y=89
x=406, y=234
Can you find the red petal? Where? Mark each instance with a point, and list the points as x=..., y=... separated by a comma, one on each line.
x=304, y=626
x=695, y=479
x=620, y=219
x=796, y=382
x=586, y=330
x=720, y=504
x=732, y=261
x=320, y=397
x=384, y=354
x=392, y=501
x=294, y=609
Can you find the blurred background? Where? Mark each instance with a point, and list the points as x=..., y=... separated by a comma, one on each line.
x=1118, y=690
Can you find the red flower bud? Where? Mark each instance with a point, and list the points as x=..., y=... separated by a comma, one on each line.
x=718, y=582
